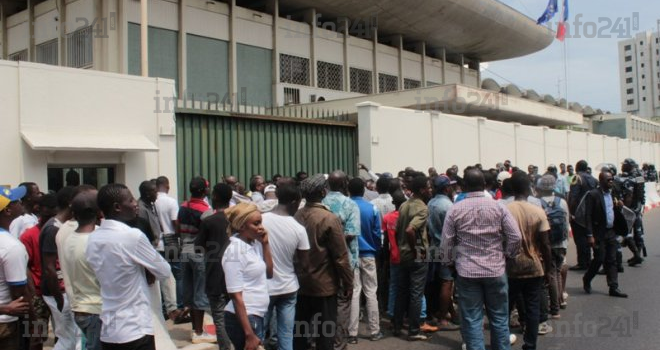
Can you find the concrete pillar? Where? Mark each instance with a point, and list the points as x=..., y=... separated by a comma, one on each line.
x=462, y=59
x=374, y=75
x=444, y=65
x=182, y=50
x=122, y=42
x=3, y=30
x=274, y=8
x=546, y=131
x=343, y=27
x=398, y=42
x=310, y=18
x=98, y=62
x=366, y=112
x=144, y=37
x=480, y=125
x=233, y=76
x=32, y=51
x=421, y=49
x=61, y=39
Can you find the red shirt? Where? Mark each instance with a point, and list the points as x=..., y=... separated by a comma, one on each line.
x=389, y=225
x=30, y=239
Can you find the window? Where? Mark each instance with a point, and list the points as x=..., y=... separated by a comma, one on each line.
x=631, y=102
x=361, y=81
x=387, y=83
x=79, y=48
x=641, y=54
x=19, y=56
x=629, y=91
x=643, y=76
x=628, y=58
x=294, y=70
x=411, y=84
x=628, y=69
x=291, y=96
x=627, y=47
x=643, y=87
x=330, y=75
x=642, y=65
x=48, y=52
x=643, y=99
x=629, y=80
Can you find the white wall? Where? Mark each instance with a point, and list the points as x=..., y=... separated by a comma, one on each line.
x=65, y=102
x=391, y=139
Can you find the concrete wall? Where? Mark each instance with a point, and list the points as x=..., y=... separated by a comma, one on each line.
x=392, y=138
x=64, y=102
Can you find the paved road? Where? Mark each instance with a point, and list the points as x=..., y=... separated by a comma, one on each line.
x=591, y=322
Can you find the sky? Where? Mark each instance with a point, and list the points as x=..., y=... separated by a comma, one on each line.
x=592, y=63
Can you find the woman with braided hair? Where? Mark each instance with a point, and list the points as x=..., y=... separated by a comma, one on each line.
x=247, y=264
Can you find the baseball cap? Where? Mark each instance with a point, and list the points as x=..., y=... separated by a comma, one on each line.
x=546, y=183
x=503, y=175
x=442, y=181
x=270, y=188
x=10, y=195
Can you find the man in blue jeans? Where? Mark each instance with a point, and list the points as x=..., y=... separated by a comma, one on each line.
x=288, y=240
x=473, y=238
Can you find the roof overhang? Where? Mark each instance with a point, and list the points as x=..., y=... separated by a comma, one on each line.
x=68, y=140
x=486, y=30
x=459, y=100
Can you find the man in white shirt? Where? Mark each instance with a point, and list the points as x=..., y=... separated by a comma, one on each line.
x=287, y=239
x=29, y=217
x=13, y=266
x=124, y=262
x=168, y=213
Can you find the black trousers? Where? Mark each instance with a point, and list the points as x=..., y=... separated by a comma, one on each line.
x=581, y=244
x=605, y=255
x=529, y=290
x=316, y=319
x=145, y=343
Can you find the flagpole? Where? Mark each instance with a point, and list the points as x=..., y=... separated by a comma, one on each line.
x=566, y=71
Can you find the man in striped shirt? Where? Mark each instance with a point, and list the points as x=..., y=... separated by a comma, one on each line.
x=477, y=235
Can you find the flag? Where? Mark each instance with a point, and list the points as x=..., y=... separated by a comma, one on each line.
x=561, y=29
x=549, y=12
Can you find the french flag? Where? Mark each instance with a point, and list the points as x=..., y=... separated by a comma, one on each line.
x=561, y=29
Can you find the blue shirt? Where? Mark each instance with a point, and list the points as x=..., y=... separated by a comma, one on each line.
x=369, y=240
x=438, y=208
x=349, y=214
x=609, y=209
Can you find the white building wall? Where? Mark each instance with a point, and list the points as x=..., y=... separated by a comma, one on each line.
x=529, y=146
x=46, y=24
x=293, y=38
x=254, y=28
x=162, y=13
x=207, y=23
x=38, y=97
x=388, y=60
x=441, y=140
x=18, y=32
x=80, y=14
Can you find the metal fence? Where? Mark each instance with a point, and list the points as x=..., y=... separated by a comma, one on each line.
x=214, y=145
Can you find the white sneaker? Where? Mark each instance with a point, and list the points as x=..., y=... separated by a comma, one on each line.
x=203, y=338
x=564, y=295
x=545, y=328
x=512, y=340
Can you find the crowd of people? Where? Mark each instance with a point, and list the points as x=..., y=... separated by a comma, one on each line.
x=297, y=262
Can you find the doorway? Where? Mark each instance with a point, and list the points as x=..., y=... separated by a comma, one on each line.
x=97, y=176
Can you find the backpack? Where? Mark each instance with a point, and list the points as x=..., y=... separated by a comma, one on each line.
x=556, y=219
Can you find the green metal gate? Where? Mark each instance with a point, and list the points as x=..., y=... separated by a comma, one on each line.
x=213, y=146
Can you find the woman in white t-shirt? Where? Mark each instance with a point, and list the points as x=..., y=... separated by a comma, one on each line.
x=247, y=264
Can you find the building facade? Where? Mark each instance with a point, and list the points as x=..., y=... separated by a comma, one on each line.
x=639, y=67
